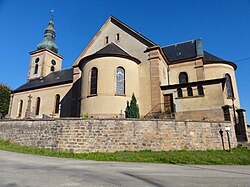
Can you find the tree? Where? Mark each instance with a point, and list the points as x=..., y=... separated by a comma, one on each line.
x=4, y=99
x=132, y=110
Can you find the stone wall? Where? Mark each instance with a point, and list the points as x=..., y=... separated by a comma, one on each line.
x=90, y=135
x=248, y=133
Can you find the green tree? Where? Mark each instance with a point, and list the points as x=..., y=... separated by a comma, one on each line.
x=4, y=99
x=132, y=110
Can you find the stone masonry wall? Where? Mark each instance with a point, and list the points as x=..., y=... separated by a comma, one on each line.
x=91, y=135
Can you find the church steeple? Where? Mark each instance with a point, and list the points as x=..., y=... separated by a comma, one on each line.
x=49, y=38
x=45, y=59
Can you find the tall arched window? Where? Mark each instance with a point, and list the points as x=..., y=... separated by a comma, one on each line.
x=20, y=108
x=36, y=69
x=57, y=103
x=183, y=78
x=93, y=80
x=120, y=80
x=229, y=86
x=38, y=101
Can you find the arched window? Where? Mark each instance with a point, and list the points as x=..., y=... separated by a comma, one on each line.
x=179, y=92
x=36, y=69
x=229, y=86
x=120, y=80
x=200, y=90
x=52, y=68
x=183, y=78
x=189, y=91
x=93, y=80
x=38, y=101
x=20, y=108
x=57, y=103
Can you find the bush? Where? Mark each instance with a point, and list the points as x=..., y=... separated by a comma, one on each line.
x=85, y=115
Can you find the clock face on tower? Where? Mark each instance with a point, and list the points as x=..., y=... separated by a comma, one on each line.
x=53, y=62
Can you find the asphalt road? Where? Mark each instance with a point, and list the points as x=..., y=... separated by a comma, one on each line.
x=39, y=171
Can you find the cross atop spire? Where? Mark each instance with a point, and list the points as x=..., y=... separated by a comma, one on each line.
x=52, y=13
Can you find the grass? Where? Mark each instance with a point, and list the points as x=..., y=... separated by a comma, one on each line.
x=238, y=156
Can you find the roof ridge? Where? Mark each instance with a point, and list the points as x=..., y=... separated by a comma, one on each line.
x=179, y=43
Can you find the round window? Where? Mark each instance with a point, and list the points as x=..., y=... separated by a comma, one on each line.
x=53, y=62
x=37, y=60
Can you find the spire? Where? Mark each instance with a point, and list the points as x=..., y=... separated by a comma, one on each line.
x=49, y=38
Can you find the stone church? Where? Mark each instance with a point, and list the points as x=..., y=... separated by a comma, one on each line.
x=179, y=81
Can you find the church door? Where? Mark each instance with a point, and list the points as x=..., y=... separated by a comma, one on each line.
x=168, y=103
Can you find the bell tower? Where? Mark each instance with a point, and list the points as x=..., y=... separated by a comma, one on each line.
x=45, y=59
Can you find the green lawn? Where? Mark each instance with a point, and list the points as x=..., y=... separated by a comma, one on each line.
x=238, y=156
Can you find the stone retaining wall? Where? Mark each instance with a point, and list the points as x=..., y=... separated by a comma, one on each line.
x=248, y=133
x=91, y=135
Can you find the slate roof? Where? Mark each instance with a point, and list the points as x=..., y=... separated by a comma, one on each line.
x=112, y=49
x=55, y=78
x=180, y=51
x=189, y=50
x=211, y=58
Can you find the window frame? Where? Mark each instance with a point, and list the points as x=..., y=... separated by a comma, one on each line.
x=124, y=81
x=93, y=86
x=52, y=68
x=181, y=78
x=20, y=109
x=38, y=104
x=57, y=104
x=229, y=86
x=36, y=69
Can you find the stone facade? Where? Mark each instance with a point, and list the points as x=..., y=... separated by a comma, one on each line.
x=91, y=135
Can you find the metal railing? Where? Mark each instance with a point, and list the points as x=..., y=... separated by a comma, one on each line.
x=159, y=111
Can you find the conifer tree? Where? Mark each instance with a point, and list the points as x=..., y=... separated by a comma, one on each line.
x=133, y=111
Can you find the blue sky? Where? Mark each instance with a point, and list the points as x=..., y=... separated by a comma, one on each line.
x=223, y=25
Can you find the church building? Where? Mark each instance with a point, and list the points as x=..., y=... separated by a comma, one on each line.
x=179, y=81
